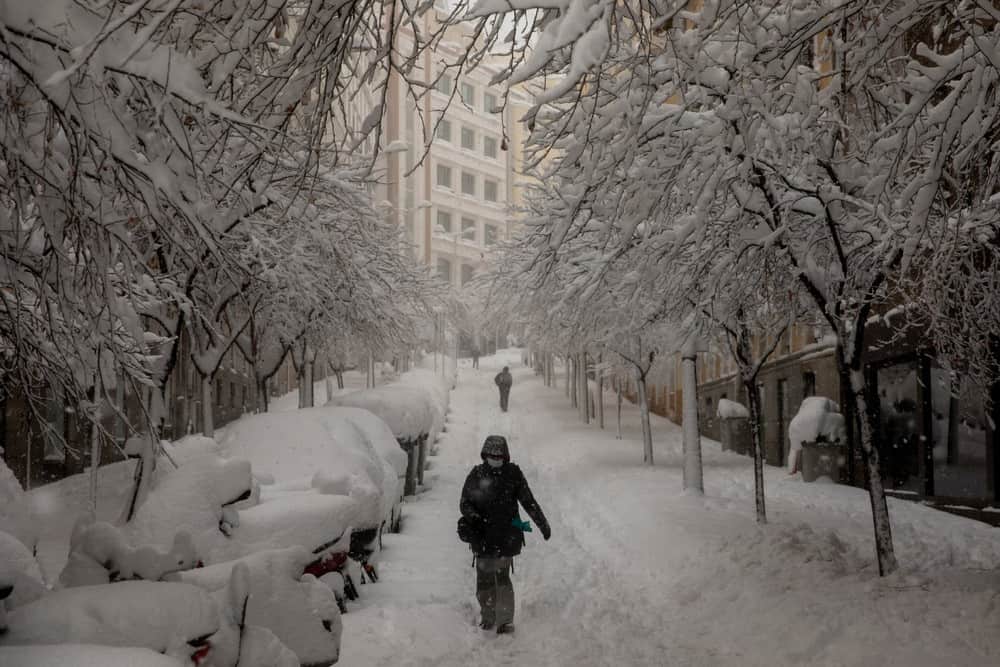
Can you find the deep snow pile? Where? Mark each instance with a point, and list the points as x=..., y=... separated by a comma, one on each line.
x=638, y=573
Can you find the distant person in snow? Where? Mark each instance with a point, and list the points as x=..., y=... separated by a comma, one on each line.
x=493, y=528
x=503, y=380
x=475, y=356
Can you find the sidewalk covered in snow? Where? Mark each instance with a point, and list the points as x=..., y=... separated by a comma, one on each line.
x=638, y=573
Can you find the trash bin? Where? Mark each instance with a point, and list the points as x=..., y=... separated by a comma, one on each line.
x=734, y=434
x=822, y=459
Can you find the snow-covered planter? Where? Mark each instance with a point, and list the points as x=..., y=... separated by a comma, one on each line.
x=179, y=620
x=734, y=426
x=299, y=610
x=819, y=427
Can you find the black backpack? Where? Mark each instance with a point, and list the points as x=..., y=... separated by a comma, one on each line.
x=470, y=531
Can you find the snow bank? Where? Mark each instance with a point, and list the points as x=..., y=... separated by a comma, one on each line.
x=296, y=609
x=155, y=615
x=83, y=655
x=17, y=517
x=18, y=568
x=731, y=410
x=818, y=418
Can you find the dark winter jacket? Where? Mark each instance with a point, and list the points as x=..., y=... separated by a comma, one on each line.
x=489, y=501
x=503, y=380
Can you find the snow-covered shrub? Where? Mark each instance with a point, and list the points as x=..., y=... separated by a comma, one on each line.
x=83, y=655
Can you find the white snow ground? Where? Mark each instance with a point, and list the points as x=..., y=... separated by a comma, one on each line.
x=638, y=573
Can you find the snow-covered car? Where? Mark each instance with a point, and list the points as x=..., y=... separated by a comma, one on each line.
x=413, y=415
x=61, y=655
x=17, y=516
x=301, y=612
x=19, y=572
x=327, y=451
x=179, y=620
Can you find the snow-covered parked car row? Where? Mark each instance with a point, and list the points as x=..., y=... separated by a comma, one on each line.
x=242, y=551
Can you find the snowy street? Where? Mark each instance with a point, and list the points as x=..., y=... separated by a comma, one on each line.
x=638, y=574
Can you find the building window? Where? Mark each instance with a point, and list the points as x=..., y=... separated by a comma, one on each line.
x=232, y=394
x=489, y=102
x=489, y=235
x=444, y=269
x=468, y=183
x=490, y=147
x=468, y=139
x=467, y=273
x=443, y=176
x=443, y=130
x=490, y=190
x=468, y=230
x=444, y=221
x=468, y=94
x=808, y=384
x=444, y=84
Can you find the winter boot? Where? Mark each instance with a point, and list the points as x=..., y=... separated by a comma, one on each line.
x=505, y=629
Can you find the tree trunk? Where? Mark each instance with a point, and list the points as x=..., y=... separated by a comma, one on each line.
x=310, y=384
x=584, y=389
x=756, y=446
x=887, y=563
x=600, y=392
x=328, y=385
x=567, y=376
x=692, y=441
x=207, y=412
x=647, y=433
x=618, y=385
x=262, y=397
x=340, y=378
x=574, y=380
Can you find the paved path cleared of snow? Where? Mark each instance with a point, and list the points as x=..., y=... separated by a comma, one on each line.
x=639, y=573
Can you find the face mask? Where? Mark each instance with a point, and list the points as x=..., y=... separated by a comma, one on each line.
x=494, y=463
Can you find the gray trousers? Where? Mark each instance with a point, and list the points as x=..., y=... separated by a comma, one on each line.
x=504, y=397
x=495, y=590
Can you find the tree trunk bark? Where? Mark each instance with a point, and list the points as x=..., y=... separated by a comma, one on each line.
x=584, y=390
x=567, y=376
x=574, y=388
x=340, y=378
x=310, y=388
x=692, y=441
x=328, y=385
x=262, y=397
x=756, y=446
x=887, y=563
x=207, y=412
x=618, y=385
x=647, y=433
x=600, y=392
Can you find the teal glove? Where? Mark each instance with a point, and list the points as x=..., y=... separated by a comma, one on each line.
x=523, y=525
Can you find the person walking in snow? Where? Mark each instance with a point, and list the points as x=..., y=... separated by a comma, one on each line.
x=475, y=356
x=494, y=529
x=504, y=380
